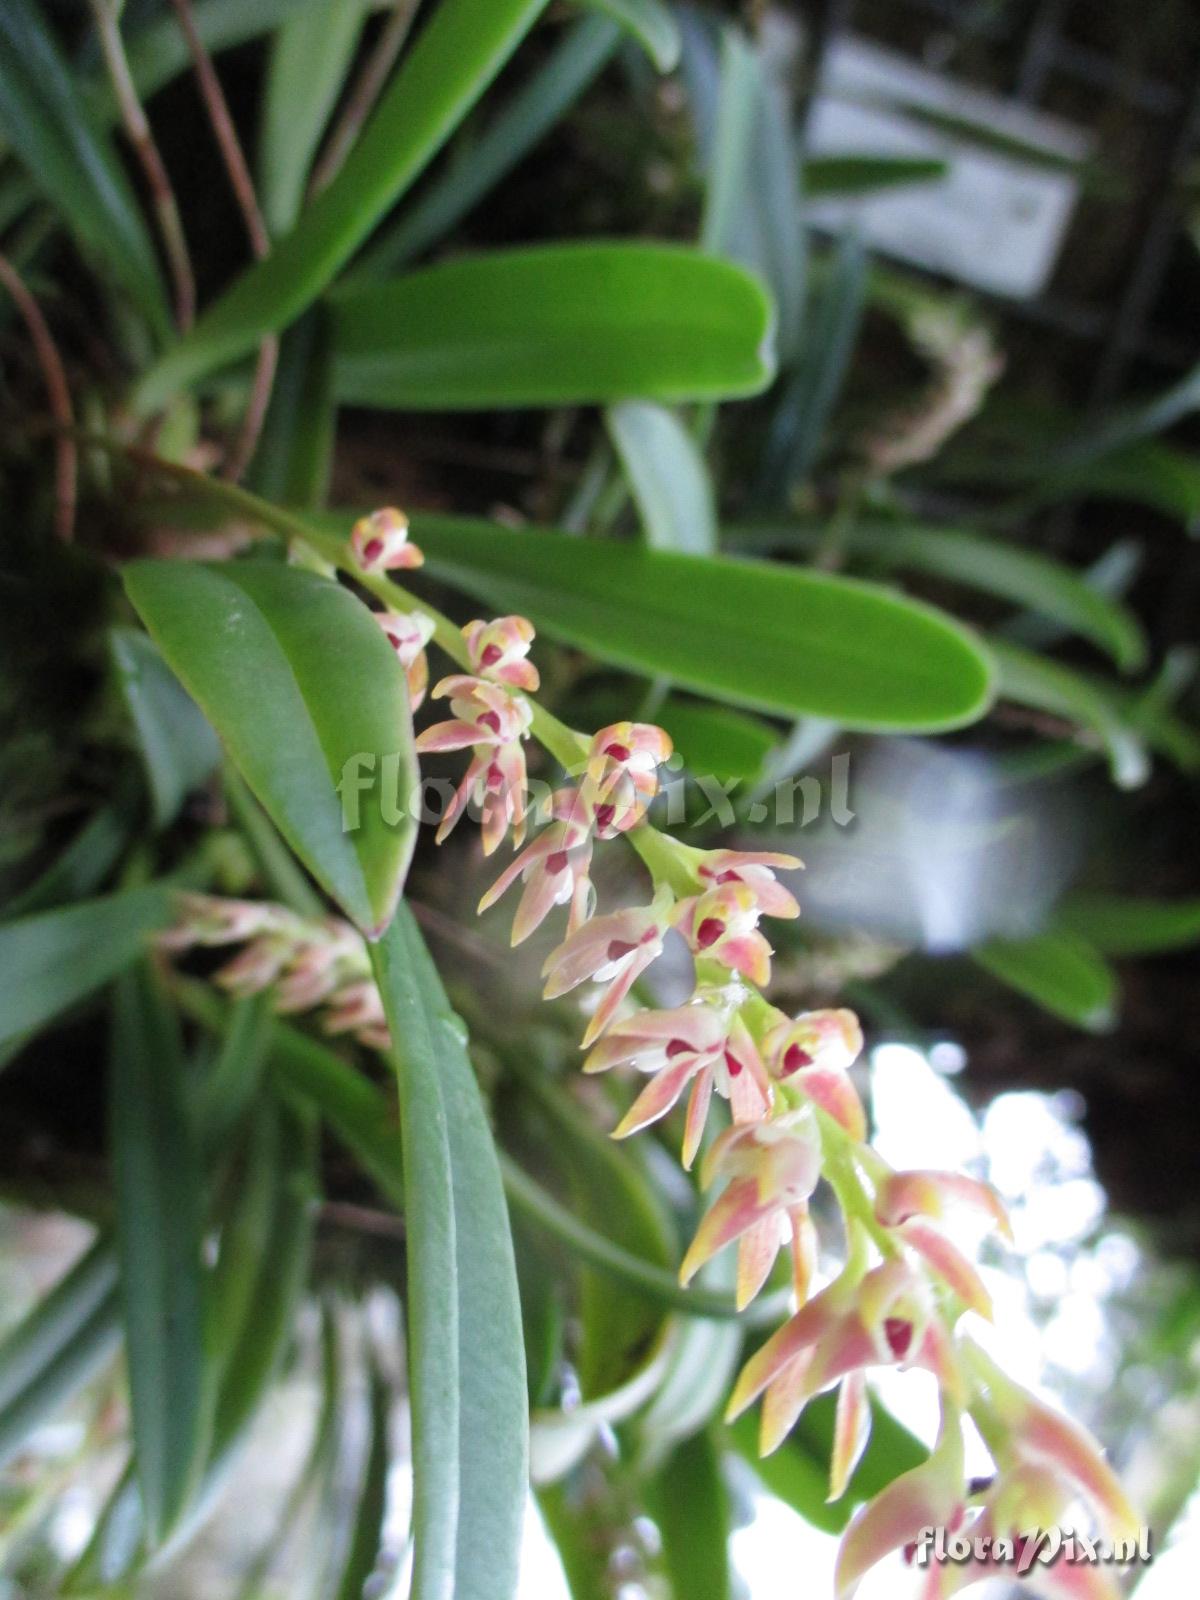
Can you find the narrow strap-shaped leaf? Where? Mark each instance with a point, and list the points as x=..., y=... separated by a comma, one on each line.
x=51, y=960
x=460, y=50
x=466, y=1353
x=294, y=458
x=367, y=1535
x=178, y=747
x=553, y=325
x=1060, y=971
x=236, y=1074
x=160, y=1218
x=766, y=636
x=667, y=475
x=528, y=115
x=46, y=122
x=688, y=1500
x=89, y=858
x=843, y=175
x=306, y=692
x=29, y=1347
x=651, y=23
x=1131, y=925
x=68, y=1365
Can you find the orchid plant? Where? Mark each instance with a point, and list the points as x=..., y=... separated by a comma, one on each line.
x=894, y=1290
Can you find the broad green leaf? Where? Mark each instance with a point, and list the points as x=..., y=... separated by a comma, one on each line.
x=465, y=1350
x=178, y=747
x=457, y=54
x=69, y=158
x=553, y=325
x=532, y=110
x=766, y=636
x=1130, y=925
x=667, y=476
x=1032, y=680
x=310, y=57
x=160, y=1221
x=797, y=428
x=865, y=174
x=49, y=961
x=689, y=1502
x=1026, y=577
x=1059, y=970
x=307, y=695
x=651, y=23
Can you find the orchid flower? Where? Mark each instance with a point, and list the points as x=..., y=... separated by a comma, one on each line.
x=772, y=1168
x=705, y=1044
x=905, y=1201
x=812, y=1052
x=498, y=650
x=615, y=950
x=380, y=542
x=621, y=775
x=408, y=634
x=756, y=869
x=555, y=870
x=722, y=925
x=493, y=723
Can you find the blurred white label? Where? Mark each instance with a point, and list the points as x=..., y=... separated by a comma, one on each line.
x=998, y=218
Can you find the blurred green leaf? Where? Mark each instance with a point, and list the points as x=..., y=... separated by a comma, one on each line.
x=530, y=112
x=366, y=1539
x=667, y=475
x=457, y=54
x=234, y=1078
x=552, y=325
x=1060, y=971
x=1032, y=680
x=466, y=1353
x=1026, y=577
x=83, y=865
x=689, y=1502
x=651, y=23
x=310, y=56
x=582, y=1547
x=178, y=747
x=62, y=1341
x=160, y=1221
x=304, y=689
x=1130, y=925
x=294, y=459
x=49, y=961
x=45, y=121
x=766, y=636
x=867, y=173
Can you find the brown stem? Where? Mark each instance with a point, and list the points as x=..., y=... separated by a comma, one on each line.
x=137, y=130
x=256, y=229
x=364, y=93
x=58, y=393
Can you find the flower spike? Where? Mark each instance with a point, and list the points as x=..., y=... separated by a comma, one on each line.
x=380, y=542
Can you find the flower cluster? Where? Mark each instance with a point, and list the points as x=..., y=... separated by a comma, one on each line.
x=795, y=1120
x=307, y=962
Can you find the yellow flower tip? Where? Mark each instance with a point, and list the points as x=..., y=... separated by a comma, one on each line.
x=770, y=1435
x=690, y=1266
x=625, y=1127
x=743, y=1295
x=743, y=1396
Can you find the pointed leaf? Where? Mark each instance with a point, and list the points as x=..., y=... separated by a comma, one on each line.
x=459, y=51
x=160, y=1220
x=1131, y=925
x=1059, y=970
x=651, y=24
x=767, y=636
x=466, y=1353
x=304, y=689
x=178, y=747
x=553, y=325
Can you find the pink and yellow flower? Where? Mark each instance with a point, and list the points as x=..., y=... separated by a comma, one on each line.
x=621, y=775
x=704, y=1044
x=772, y=1168
x=722, y=925
x=616, y=950
x=498, y=649
x=408, y=634
x=555, y=870
x=756, y=869
x=813, y=1052
x=906, y=1201
x=380, y=542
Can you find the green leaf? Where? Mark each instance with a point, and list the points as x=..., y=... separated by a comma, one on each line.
x=160, y=1222
x=466, y=1353
x=553, y=325
x=49, y=961
x=667, y=475
x=46, y=122
x=1026, y=577
x=865, y=174
x=178, y=747
x=157, y=51
x=688, y=1500
x=366, y=1539
x=573, y=1522
x=310, y=56
x=294, y=459
x=1060, y=971
x=306, y=692
x=1130, y=925
x=1032, y=680
x=574, y=63
x=457, y=54
x=235, y=1076
x=651, y=24
x=84, y=864
x=766, y=636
